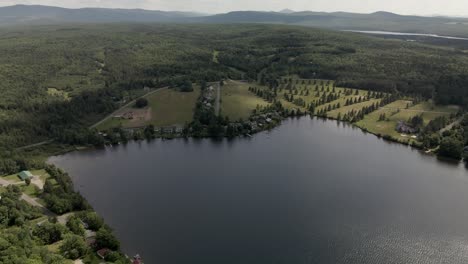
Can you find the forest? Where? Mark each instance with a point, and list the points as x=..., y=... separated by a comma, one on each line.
x=56, y=81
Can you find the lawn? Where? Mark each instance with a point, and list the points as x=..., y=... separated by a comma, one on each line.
x=12, y=178
x=397, y=111
x=31, y=190
x=237, y=101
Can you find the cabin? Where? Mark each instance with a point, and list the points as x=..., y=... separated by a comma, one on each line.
x=402, y=127
x=24, y=175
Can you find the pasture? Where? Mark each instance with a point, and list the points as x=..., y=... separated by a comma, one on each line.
x=166, y=107
x=237, y=101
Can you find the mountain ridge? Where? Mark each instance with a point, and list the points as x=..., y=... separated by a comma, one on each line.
x=376, y=21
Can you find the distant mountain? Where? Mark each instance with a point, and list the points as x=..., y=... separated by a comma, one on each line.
x=36, y=14
x=382, y=21
x=286, y=11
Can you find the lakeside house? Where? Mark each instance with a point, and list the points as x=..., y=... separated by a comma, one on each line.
x=24, y=175
x=402, y=127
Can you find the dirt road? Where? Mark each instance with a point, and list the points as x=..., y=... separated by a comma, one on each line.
x=218, y=99
x=126, y=105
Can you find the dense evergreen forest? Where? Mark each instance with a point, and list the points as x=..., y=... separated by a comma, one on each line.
x=55, y=81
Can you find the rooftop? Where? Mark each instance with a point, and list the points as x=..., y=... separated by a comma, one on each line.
x=25, y=175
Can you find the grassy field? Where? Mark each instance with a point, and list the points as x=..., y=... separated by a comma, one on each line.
x=111, y=123
x=356, y=107
x=315, y=91
x=398, y=111
x=166, y=107
x=401, y=110
x=170, y=107
x=237, y=101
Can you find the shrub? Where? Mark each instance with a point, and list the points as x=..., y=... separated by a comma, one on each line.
x=141, y=103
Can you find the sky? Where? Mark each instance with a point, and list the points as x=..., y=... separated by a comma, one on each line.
x=405, y=7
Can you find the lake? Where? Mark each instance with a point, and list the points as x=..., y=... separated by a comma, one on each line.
x=391, y=33
x=309, y=191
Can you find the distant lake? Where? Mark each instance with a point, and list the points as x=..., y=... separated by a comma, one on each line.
x=405, y=34
x=310, y=191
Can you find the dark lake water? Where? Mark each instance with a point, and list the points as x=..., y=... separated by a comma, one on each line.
x=310, y=191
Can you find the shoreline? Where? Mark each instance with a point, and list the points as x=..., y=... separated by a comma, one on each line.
x=249, y=135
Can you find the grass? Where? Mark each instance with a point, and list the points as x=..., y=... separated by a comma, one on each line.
x=12, y=178
x=215, y=56
x=55, y=247
x=31, y=190
x=356, y=107
x=400, y=110
x=111, y=123
x=166, y=107
x=397, y=111
x=170, y=107
x=65, y=83
x=238, y=102
x=313, y=89
x=58, y=93
x=38, y=220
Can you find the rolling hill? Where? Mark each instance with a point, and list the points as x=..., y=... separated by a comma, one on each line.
x=37, y=14
x=384, y=21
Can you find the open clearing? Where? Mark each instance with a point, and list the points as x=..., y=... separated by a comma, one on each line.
x=310, y=91
x=397, y=111
x=237, y=101
x=58, y=93
x=171, y=107
x=356, y=107
x=165, y=108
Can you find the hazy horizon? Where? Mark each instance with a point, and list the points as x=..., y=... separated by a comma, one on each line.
x=408, y=7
